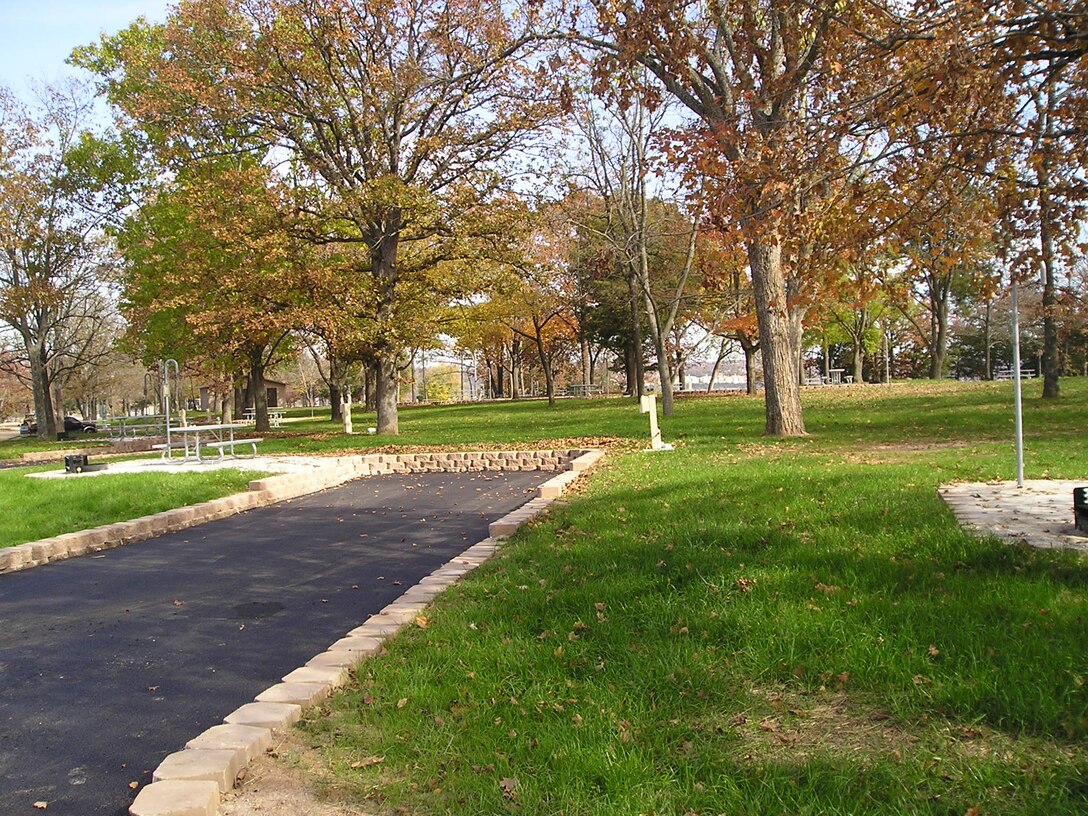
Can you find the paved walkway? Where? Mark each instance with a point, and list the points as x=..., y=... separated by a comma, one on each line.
x=111, y=661
x=1040, y=512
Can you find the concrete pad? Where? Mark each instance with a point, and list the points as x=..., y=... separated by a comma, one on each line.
x=219, y=766
x=253, y=741
x=1040, y=512
x=176, y=798
x=265, y=715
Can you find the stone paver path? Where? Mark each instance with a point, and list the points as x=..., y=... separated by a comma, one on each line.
x=109, y=662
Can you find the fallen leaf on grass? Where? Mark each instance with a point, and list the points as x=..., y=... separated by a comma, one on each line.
x=421, y=621
x=509, y=787
x=402, y=702
x=366, y=762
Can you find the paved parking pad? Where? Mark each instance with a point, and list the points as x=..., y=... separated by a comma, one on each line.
x=109, y=662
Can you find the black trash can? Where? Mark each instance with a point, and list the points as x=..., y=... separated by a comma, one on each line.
x=1080, y=508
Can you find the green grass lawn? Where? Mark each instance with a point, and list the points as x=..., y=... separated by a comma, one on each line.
x=40, y=508
x=744, y=625
x=740, y=626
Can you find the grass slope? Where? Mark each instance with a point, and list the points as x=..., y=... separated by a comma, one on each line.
x=40, y=508
x=745, y=626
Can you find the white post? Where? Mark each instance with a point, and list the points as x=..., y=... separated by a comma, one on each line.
x=1017, y=404
x=345, y=409
x=166, y=400
x=648, y=405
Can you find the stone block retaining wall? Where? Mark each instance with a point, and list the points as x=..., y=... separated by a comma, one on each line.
x=122, y=447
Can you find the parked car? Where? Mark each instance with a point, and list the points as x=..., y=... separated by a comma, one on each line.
x=71, y=425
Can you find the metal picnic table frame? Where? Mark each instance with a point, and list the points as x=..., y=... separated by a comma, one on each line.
x=195, y=432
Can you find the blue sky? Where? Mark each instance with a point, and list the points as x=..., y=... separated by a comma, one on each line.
x=37, y=35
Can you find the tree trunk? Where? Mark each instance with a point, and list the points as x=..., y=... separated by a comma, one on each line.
x=938, y=335
x=383, y=244
x=370, y=387
x=717, y=364
x=1045, y=145
x=258, y=395
x=39, y=386
x=587, y=362
x=796, y=316
x=239, y=397
x=630, y=388
x=657, y=334
x=783, y=395
x=750, y=368
x=516, y=385
x=636, y=336
x=545, y=364
x=859, y=360
x=386, y=393
x=988, y=341
x=336, y=412
x=1051, y=388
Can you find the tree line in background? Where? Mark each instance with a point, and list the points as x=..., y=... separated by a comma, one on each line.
x=562, y=190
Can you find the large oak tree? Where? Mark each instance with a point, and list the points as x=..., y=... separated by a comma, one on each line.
x=400, y=113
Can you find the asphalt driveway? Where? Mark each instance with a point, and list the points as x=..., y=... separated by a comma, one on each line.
x=111, y=661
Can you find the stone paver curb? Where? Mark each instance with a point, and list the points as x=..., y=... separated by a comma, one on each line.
x=254, y=741
x=275, y=716
x=220, y=765
x=300, y=694
x=331, y=676
x=173, y=798
x=220, y=754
